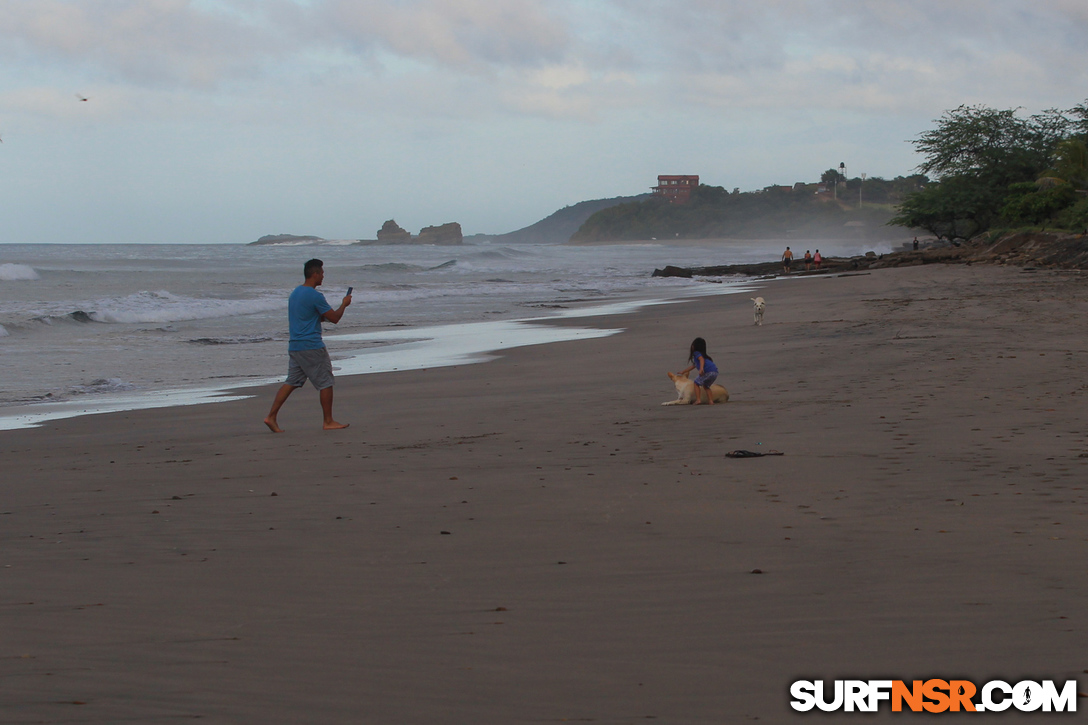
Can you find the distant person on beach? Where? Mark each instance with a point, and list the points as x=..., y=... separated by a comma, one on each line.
x=787, y=259
x=916, y=244
x=708, y=371
x=808, y=261
x=308, y=356
x=817, y=259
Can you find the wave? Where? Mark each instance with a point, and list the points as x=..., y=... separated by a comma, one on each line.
x=391, y=267
x=102, y=385
x=17, y=272
x=503, y=253
x=3, y=332
x=238, y=340
x=164, y=307
x=490, y=254
x=73, y=316
x=394, y=267
x=95, y=387
x=535, y=290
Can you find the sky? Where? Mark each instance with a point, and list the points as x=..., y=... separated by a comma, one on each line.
x=219, y=121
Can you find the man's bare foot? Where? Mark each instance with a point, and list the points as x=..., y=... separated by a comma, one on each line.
x=272, y=426
x=335, y=426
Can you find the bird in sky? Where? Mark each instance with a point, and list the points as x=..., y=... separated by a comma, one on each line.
x=81, y=97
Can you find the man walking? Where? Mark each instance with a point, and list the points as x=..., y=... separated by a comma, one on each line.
x=309, y=359
x=787, y=260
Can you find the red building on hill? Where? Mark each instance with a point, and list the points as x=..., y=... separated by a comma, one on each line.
x=677, y=189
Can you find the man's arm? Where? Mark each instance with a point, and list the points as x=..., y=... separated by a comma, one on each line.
x=334, y=316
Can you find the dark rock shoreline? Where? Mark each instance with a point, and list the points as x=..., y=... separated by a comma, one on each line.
x=1021, y=249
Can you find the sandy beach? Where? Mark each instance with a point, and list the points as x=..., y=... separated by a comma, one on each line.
x=536, y=539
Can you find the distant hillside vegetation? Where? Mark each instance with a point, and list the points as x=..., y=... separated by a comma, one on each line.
x=773, y=213
x=558, y=227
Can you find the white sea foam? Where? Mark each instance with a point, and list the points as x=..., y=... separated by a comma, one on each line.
x=33, y=416
x=102, y=385
x=3, y=332
x=372, y=352
x=162, y=307
x=17, y=272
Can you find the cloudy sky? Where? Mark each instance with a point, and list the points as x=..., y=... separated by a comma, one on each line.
x=223, y=120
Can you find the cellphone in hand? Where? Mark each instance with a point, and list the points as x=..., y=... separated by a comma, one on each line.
x=349, y=291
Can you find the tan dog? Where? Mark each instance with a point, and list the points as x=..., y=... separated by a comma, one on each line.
x=758, y=306
x=685, y=391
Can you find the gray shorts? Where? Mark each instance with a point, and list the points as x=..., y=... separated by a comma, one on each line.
x=706, y=379
x=312, y=365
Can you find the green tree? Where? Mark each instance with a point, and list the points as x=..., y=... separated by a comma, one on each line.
x=1036, y=203
x=1079, y=121
x=1070, y=163
x=831, y=176
x=977, y=155
x=952, y=209
x=990, y=144
x=1074, y=217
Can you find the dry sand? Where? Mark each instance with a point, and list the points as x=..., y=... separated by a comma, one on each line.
x=536, y=539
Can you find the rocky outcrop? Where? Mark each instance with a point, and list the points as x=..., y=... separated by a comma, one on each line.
x=1054, y=250
x=287, y=239
x=1021, y=249
x=391, y=233
x=444, y=234
x=1035, y=249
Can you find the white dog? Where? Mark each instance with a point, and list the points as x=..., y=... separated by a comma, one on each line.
x=685, y=391
x=758, y=305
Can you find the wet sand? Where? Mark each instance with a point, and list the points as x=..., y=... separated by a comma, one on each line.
x=536, y=539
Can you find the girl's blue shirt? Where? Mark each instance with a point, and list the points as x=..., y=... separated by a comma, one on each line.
x=708, y=364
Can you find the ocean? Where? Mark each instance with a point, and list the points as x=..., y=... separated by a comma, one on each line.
x=95, y=328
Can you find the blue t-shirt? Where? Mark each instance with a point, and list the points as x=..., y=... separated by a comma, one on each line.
x=305, y=307
x=708, y=364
